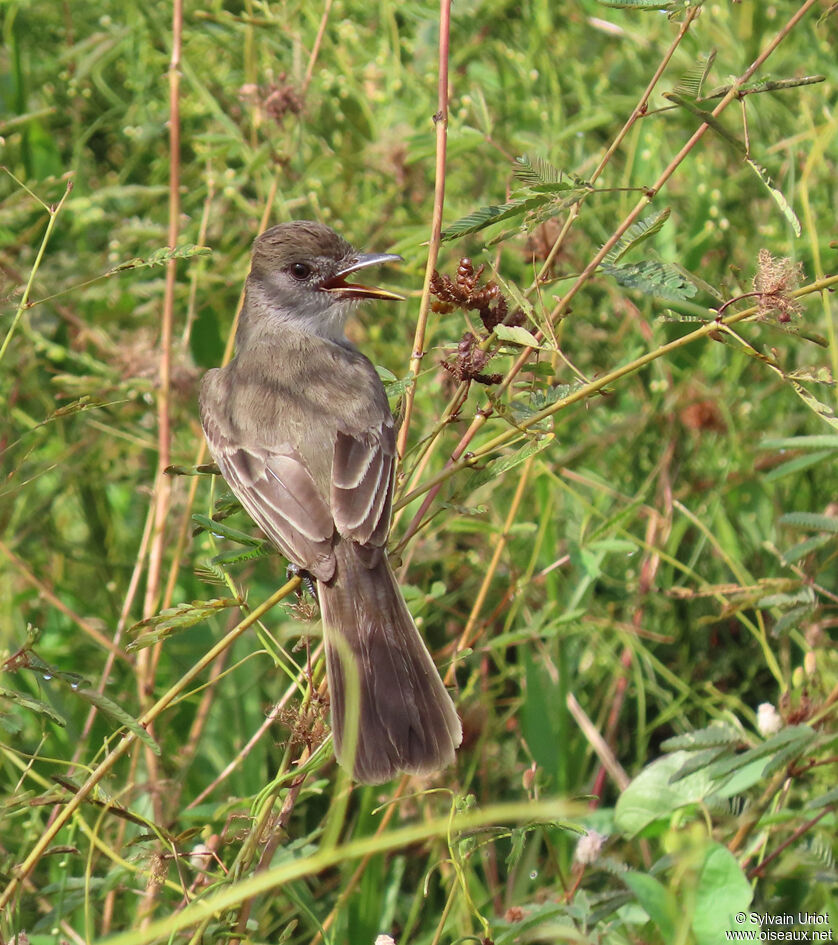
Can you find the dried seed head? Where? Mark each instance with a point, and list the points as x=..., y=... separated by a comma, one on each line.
x=774, y=281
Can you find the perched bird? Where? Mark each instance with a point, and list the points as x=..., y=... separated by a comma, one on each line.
x=300, y=427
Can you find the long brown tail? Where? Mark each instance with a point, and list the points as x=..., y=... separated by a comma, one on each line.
x=405, y=718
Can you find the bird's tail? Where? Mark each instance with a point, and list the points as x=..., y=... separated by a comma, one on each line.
x=390, y=709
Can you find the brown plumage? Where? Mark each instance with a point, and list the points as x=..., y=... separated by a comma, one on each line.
x=300, y=427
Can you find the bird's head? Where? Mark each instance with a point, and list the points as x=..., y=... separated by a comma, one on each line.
x=300, y=271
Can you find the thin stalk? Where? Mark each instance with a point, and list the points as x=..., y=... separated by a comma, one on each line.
x=53, y=212
x=441, y=121
x=468, y=634
x=315, y=50
x=147, y=659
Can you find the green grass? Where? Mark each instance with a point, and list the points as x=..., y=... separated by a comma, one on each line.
x=633, y=548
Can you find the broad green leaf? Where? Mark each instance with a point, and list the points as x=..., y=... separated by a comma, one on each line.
x=698, y=760
x=519, y=336
x=723, y=893
x=652, y=795
x=656, y=900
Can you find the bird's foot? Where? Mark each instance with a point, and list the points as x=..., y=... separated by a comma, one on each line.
x=307, y=581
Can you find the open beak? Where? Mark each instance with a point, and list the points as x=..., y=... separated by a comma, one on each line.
x=350, y=290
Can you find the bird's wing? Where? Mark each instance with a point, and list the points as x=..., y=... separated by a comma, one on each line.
x=362, y=482
x=275, y=486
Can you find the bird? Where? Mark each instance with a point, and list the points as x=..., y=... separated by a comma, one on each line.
x=299, y=425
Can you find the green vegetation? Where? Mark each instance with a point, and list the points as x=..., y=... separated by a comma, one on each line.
x=619, y=498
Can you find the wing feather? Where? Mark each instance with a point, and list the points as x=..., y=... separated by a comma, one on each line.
x=276, y=488
x=362, y=483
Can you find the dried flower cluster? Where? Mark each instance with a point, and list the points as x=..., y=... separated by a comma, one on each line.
x=470, y=361
x=466, y=293
x=276, y=100
x=305, y=726
x=774, y=281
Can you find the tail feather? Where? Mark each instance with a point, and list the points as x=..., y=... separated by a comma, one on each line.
x=406, y=720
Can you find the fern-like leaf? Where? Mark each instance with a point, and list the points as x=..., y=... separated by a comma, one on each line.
x=485, y=216
x=692, y=81
x=636, y=234
x=653, y=278
x=536, y=170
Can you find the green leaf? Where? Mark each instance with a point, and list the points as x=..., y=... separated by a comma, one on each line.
x=537, y=170
x=722, y=893
x=819, y=374
x=698, y=760
x=806, y=547
x=798, y=464
x=815, y=442
x=520, y=336
x=502, y=465
x=692, y=81
x=662, y=280
x=790, y=620
x=486, y=216
x=657, y=902
x=811, y=521
x=35, y=705
x=644, y=4
x=825, y=800
x=118, y=714
x=205, y=523
x=160, y=257
x=636, y=234
x=174, y=619
x=824, y=411
x=779, y=197
x=544, y=916
x=797, y=736
x=652, y=794
x=710, y=737
x=227, y=559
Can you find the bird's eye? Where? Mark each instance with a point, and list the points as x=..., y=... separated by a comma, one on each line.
x=300, y=270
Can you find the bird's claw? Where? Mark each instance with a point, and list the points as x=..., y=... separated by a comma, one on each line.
x=307, y=581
